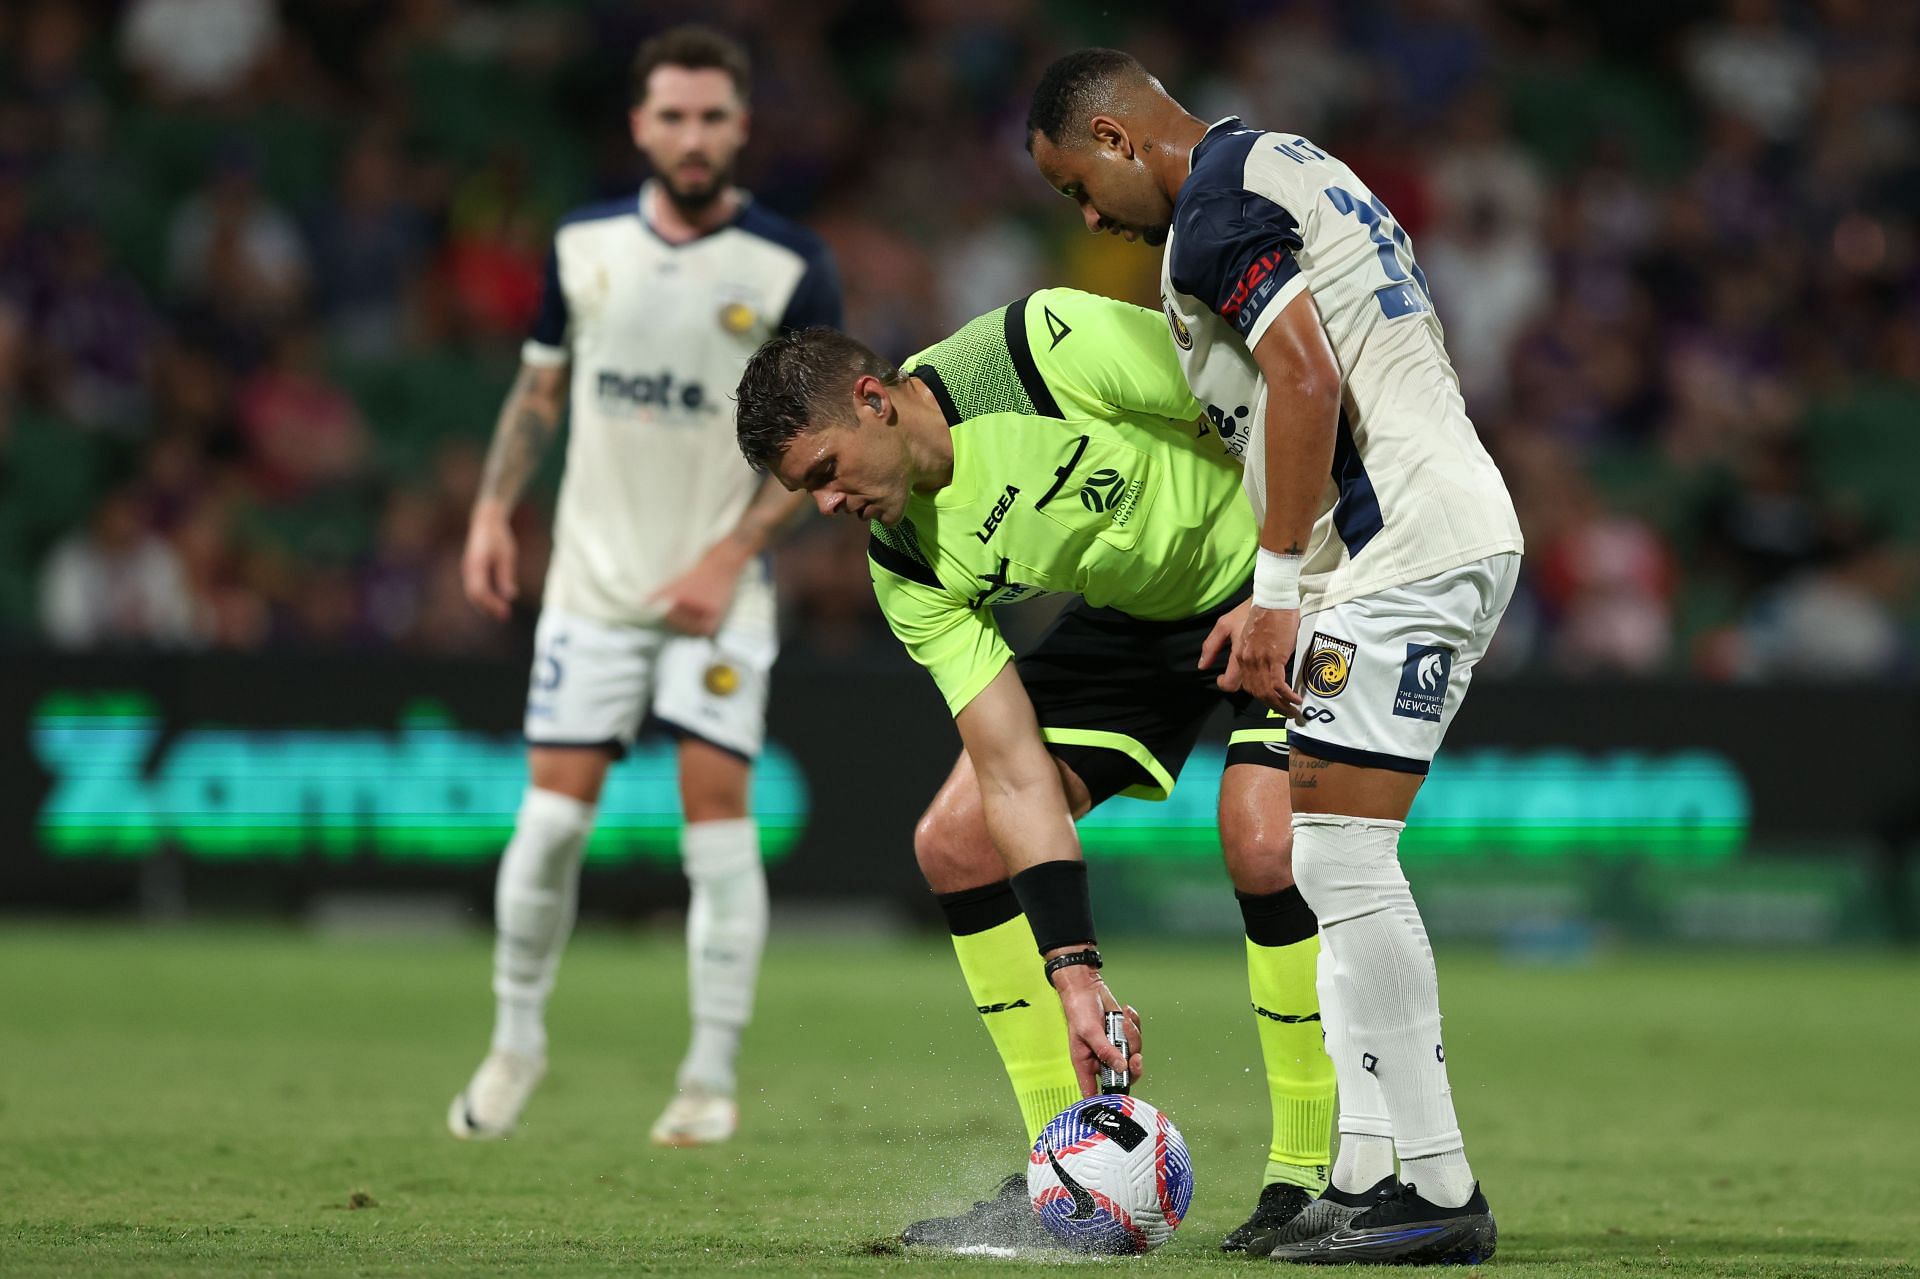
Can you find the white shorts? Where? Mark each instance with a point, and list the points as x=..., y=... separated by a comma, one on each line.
x=594, y=683
x=1383, y=675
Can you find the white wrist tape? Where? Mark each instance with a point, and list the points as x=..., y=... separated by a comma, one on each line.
x=1276, y=580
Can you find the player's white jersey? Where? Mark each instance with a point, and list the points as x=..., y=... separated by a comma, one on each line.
x=1412, y=492
x=658, y=334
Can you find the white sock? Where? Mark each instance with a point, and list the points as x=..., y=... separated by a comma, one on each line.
x=534, y=900
x=1365, y=1154
x=726, y=931
x=1387, y=990
x=710, y=1056
x=1443, y=1179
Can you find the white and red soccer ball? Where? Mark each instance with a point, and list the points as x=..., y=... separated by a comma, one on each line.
x=1111, y=1175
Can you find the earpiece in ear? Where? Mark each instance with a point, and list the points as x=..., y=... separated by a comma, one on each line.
x=873, y=402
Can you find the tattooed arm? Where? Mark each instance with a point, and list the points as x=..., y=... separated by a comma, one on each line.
x=528, y=421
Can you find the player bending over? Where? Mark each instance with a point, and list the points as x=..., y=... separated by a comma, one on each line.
x=1052, y=447
x=1387, y=541
x=657, y=602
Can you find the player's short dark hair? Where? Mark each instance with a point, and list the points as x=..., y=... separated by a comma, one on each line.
x=697, y=48
x=797, y=382
x=1073, y=87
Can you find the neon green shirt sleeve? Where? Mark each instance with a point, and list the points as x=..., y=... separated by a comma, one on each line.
x=1096, y=355
x=961, y=647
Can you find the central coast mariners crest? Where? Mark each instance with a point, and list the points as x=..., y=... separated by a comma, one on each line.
x=722, y=679
x=1179, y=327
x=1329, y=663
x=736, y=317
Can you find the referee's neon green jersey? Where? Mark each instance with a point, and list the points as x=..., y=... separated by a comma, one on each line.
x=1082, y=465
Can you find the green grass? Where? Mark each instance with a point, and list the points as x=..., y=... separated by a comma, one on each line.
x=210, y=1103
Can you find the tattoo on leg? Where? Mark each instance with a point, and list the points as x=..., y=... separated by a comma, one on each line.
x=1308, y=765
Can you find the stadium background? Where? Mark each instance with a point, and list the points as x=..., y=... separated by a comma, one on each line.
x=263, y=271
x=264, y=268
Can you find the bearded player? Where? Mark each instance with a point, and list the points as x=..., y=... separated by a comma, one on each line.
x=658, y=602
x=1053, y=446
x=1389, y=550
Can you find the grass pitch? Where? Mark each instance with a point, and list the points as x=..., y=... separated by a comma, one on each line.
x=271, y=1103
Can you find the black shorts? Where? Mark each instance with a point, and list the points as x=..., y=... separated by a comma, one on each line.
x=1123, y=701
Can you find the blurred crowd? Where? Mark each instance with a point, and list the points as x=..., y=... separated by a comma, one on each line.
x=264, y=267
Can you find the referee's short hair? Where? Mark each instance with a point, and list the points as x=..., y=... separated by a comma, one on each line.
x=697, y=48
x=797, y=382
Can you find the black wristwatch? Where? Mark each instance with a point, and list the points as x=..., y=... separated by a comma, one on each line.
x=1072, y=959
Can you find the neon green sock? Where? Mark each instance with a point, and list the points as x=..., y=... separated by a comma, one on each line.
x=1299, y=1073
x=1022, y=1013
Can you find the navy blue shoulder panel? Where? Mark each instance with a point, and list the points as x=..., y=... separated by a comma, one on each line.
x=816, y=299
x=1232, y=248
x=549, y=326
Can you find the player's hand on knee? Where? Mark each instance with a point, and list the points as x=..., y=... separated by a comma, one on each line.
x=1264, y=650
x=489, y=568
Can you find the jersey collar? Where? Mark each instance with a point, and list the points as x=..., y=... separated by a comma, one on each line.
x=1218, y=129
x=640, y=207
x=938, y=385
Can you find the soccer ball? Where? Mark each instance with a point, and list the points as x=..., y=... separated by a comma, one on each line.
x=1111, y=1175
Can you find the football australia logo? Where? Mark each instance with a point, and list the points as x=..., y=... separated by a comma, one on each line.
x=1329, y=664
x=1102, y=489
x=1109, y=491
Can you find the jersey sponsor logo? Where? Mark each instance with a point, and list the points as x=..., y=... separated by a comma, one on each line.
x=984, y=1009
x=1182, y=335
x=1108, y=490
x=1423, y=682
x=1329, y=664
x=736, y=318
x=1056, y=326
x=651, y=390
x=1248, y=288
x=991, y=524
x=1232, y=428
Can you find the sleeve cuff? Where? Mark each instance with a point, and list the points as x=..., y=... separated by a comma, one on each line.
x=1275, y=305
x=963, y=696
x=542, y=356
